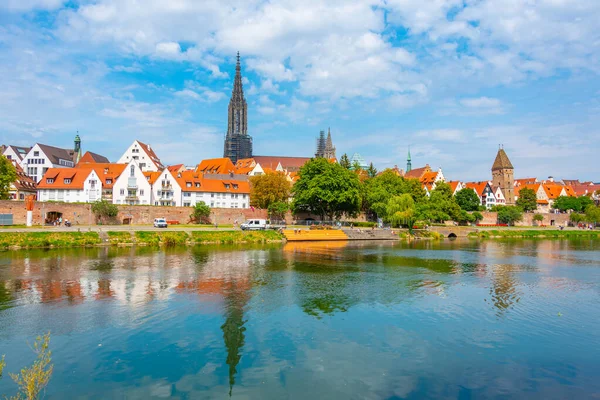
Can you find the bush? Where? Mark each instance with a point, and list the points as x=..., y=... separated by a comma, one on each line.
x=361, y=224
x=103, y=210
x=201, y=213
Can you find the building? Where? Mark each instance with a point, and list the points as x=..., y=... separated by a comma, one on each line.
x=325, y=148
x=456, y=186
x=134, y=186
x=262, y=164
x=23, y=186
x=15, y=153
x=430, y=179
x=92, y=158
x=70, y=185
x=357, y=159
x=144, y=156
x=41, y=158
x=238, y=144
x=218, y=166
x=417, y=173
x=484, y=192
x=503, y=176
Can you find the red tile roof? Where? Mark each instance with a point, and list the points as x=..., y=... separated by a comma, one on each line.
x=92, y=158
x=216, y=166
x=417, y=172
x=478, y=187
x=76, y=175
x=289, y=163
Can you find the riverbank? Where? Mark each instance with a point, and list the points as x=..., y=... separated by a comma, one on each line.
x=534, y=233
x=33, y=240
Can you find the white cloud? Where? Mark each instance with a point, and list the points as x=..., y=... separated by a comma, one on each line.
x=28, y=5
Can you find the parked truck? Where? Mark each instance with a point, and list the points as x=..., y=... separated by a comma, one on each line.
x=260, y=225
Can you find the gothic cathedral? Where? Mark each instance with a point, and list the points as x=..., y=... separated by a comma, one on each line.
x=238, y=144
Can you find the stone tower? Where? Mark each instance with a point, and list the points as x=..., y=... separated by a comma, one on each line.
x=238, y=144
x=77, y=149
x=320, y=145
x=503, y=176
x=329, y=151
x=408, y=162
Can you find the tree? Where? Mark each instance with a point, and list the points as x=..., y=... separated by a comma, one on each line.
x=379, y=190
x=538, y=218
x=371, y=171
x=577, y=218
x=584, y=203
x=527, y=200
x=566, y=203
x=268, y=189
x=345, y=161
x=592, y=214
x=443, y=205
x=477, y=216
x=201, y=213
x=278, y=209
x=8, y=175
x=467, y=199
x=326, y=189
x=401, y=211
x=102, y=209
x=356, y=166
x=509, y=214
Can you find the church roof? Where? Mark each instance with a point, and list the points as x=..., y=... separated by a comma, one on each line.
x=92, y=158
x=502, y=161
x=286, y=162
x=418, y=172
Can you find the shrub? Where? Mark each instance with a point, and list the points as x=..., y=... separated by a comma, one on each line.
x=201, y=213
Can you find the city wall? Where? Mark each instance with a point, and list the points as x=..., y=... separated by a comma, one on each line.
x=82, y=214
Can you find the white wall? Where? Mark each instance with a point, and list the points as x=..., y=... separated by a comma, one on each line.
x=91, y=192
x=143, y=189
x=35, y=166
x=12, y=155
x=164, y=195
x=136, y=152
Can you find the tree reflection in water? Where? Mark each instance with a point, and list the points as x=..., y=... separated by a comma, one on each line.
x=236, y=298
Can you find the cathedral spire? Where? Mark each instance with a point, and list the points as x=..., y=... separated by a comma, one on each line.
x=408, y=161
x=237, y=142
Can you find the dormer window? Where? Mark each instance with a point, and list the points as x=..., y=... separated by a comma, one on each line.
x=197, y=184
x=188, y=184
x=235, y=186
x=109, y=181
x=67, y=181
x=50, y=180
x=227, y=186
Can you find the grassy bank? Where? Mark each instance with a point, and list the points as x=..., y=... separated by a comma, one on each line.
x=31, y=240
x=530, y=233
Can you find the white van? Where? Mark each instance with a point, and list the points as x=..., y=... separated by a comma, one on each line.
x=255, y=225
x=160, y=223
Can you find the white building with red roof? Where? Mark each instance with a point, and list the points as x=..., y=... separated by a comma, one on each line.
x=144, y=155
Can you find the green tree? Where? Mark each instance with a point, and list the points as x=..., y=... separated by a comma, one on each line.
x=201, y=213
x=566, y=203
x=467, y=199
x=577, y=218
x=478, y=216
x=527, y=200
x=278, y=209
x=401, y=211
x=509, y=214
x=443, y=205
x=538, y=218
x=415, y=189
x=379, y=190
x=268, y=189
x=326, y=189
x=584, y=203
x=355, y=166
x=345, y=161
x=592, y=214
x=103, y=210
x=8, y=175
x=371, y=171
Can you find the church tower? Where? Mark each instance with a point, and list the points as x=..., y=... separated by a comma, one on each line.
x=238, y=144
x=408, y=162
x=502, y=176
x=329, y=151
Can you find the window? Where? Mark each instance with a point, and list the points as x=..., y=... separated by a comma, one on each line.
x=212, y=203
x=232, y=195
x=227, y=186
x=243, y=196
x=36, y=153
x=9, y=157
x=122, y=192
x=132, y=170
x=50, y=180
x=187, y=194
x=188, y=184
x=212, y=195
x=186, y=204
x=197, y=184
x=141, y=192
x=109, y=181
x=235, y=186
x=67, y=181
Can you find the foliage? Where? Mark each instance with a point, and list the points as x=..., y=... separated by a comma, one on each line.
x=278, y=209
x=467, y=199
x=592, y=214
x=538, y=217
x=345, y=161
x=269, y=188
x=29, y=240
x=477, y=216
x=2, y=365
x=441, y=206
x=103, y=209
x=527, y=200
x=167, y=239
x=32, y=380
x=372, y=171
x=379, y=190
x=509, y=214
x=401, y=211
x=326, y=189
x=231, y=237
x=572, y=203
x=201, y=213
x=8, y=175
x=464, y=217
x=577, y=218
x=530, y=233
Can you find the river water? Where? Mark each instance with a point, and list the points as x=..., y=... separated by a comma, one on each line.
x=441, y=320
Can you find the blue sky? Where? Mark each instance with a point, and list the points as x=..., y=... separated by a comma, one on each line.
x=451, y=78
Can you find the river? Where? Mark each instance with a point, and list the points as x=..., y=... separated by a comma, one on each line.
x=515, y=319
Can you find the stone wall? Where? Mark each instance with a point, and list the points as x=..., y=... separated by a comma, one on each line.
x=81, y=213
x=550, y=219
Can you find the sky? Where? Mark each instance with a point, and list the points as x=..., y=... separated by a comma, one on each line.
x=452, y=79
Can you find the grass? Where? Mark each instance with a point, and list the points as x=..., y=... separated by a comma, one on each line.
x=30, y=240
x=161, y=238
x=119, y=237
x=530, y=233
x=230, y=237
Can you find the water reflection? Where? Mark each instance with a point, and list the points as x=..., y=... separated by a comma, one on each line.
x=244, y=305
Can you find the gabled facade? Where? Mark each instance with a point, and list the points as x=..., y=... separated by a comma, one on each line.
x=166, y=190
x=132, y=186
x=143, y=155
x=456, y=186
x=484, y=192
x=430, y=179
x=41, y=158
x=70, y=185
x=24, y=186
x=499, y=195
x=15, y=153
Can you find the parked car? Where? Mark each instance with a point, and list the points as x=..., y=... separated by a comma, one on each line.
x=259, y=225
x=160, y=223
